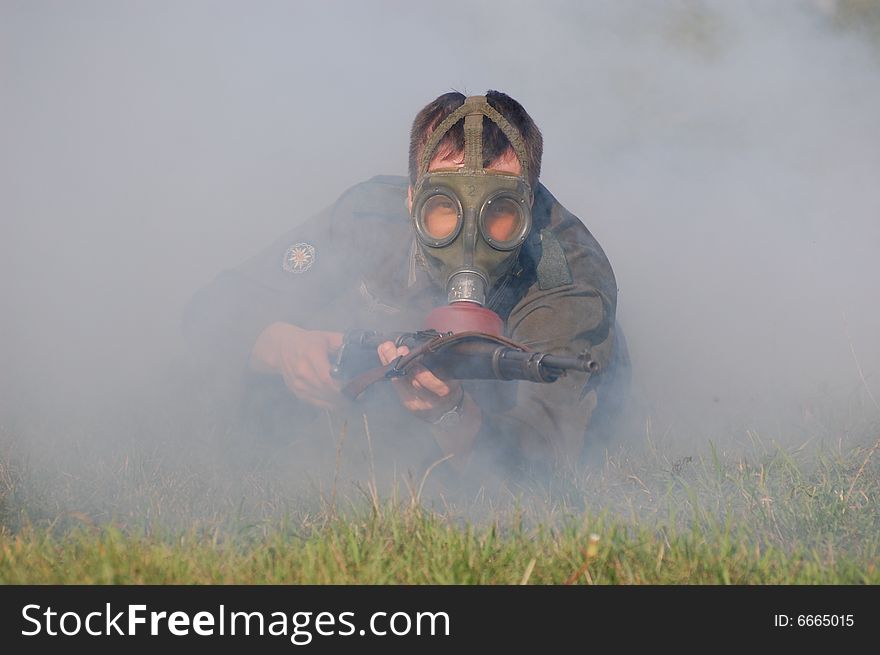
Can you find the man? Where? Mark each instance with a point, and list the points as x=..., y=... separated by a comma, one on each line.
x=472, y=225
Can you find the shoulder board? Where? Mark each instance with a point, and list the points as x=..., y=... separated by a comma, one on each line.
x=553, y=270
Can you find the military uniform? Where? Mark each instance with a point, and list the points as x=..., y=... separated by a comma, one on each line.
x=356, y=265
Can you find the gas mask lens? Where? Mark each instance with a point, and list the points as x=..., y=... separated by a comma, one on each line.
x=503, y=222
x=439, y=219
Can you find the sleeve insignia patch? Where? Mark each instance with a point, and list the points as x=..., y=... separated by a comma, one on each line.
x=298, y=258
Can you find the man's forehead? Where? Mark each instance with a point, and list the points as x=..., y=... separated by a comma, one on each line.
x=506, y=163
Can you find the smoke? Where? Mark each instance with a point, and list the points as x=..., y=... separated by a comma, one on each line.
x=733, y=188
x=724, y=154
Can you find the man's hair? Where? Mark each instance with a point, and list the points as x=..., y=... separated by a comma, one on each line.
x=495, y=144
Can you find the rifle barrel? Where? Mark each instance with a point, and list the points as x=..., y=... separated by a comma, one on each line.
x=469, y=361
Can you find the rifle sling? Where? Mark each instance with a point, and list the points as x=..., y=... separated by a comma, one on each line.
x=400, y=366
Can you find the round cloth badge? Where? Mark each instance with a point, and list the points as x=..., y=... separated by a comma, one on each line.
x=298, y=258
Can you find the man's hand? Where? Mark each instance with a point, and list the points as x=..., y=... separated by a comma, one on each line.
x=420, y=391
x=429, y=397
x=302, y=358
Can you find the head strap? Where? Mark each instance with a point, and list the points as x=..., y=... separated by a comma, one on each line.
x=473, y=110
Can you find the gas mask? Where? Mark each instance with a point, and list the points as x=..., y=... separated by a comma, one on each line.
x=471, y=222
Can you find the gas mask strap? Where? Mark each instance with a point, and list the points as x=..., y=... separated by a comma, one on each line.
x=512, y=134
x=475, y=106
x=440, y=131
x=473, y=143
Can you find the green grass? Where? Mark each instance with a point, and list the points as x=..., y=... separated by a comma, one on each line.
x=807, y=515
x=417, y=548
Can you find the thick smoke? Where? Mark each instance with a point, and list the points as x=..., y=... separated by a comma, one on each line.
x=724, y=154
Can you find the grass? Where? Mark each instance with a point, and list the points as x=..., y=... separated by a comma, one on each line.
x=419, y=548
x=764, y=515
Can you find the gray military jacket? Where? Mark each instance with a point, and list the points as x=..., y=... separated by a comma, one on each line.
x=355, y=265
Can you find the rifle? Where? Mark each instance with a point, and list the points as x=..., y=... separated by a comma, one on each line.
x=459, y=356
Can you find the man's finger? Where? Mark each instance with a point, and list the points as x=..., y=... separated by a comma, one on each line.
x=321, y=369
x=429, y=381
x=334, y=341
x=387, y=353
x=304, y=392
